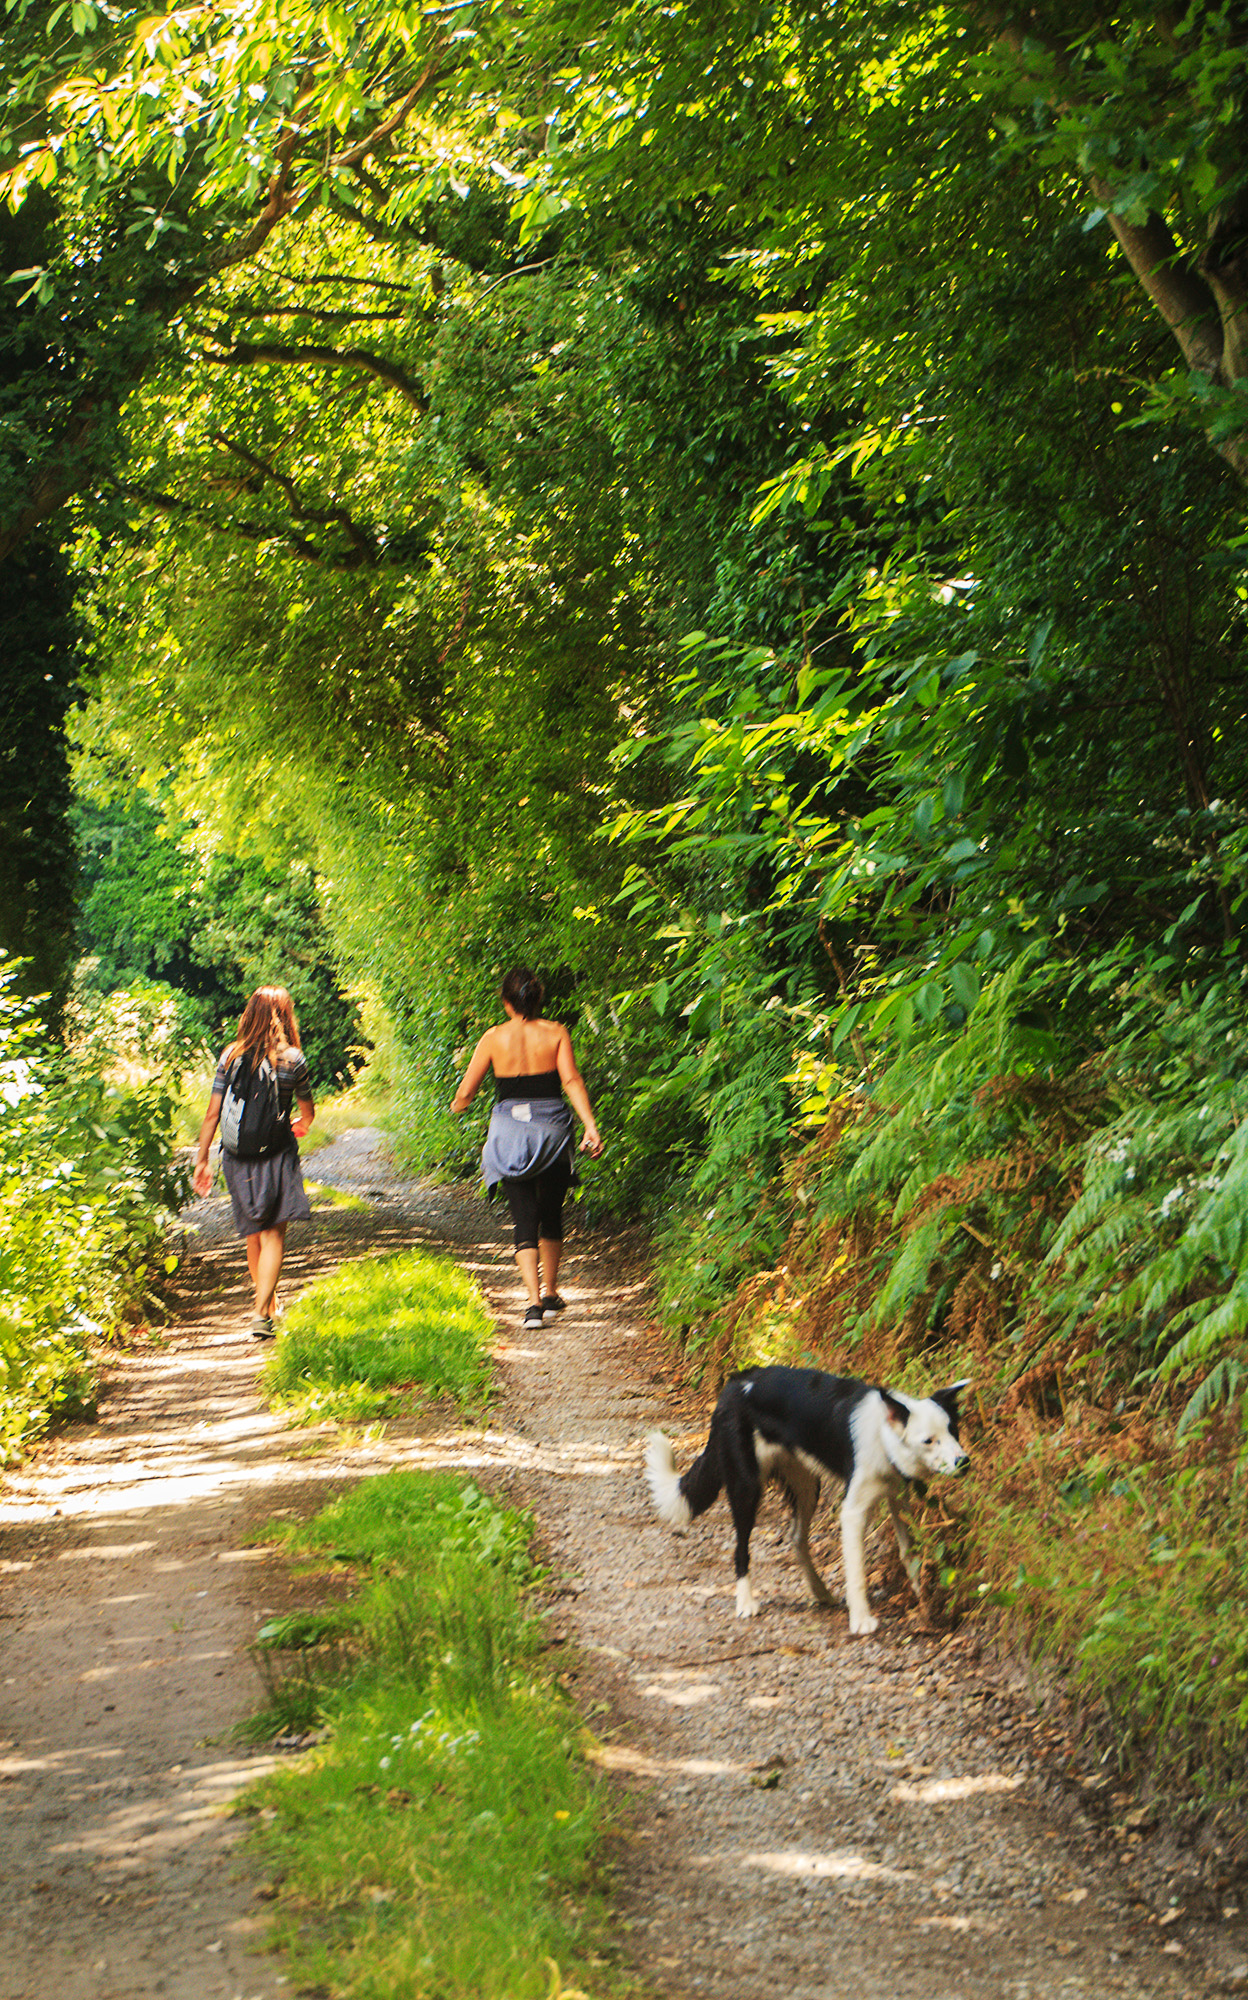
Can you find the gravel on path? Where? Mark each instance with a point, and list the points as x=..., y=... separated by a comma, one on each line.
x=799, y=1810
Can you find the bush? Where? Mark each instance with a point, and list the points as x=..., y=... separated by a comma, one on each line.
x=89, y=1179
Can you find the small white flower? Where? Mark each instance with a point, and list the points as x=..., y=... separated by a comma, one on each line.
x=996, y=1270
x=385, y=1764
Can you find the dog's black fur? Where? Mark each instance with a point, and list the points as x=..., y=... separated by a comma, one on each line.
x=794, y=1425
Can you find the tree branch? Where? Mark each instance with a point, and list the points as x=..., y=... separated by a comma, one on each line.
x=321, y=516
x=53, y=482
x=63, y=473
x=458, y=633
x=389, y=126
x=1204, y=304
x=333, y=315
x=340, y=278
x=279, y=201
x=246, y=353
x=170, y=503
x=1182, y=297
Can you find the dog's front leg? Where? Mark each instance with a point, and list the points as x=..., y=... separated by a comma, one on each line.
x=905, y=1541
x=804, y=1489
x=855, y=1514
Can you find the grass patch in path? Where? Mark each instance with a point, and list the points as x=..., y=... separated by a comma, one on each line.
x=377, y=1331
x=330, y=1197
x=440, y=1844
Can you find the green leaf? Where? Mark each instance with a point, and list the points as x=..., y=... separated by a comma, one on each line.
x=964, y=981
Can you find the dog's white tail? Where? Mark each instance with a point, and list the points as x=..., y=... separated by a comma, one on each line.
x=670, y=1503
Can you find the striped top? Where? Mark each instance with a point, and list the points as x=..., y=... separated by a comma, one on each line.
x=292, y=1079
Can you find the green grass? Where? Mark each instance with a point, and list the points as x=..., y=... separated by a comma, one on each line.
x=442, y=1840
x=377, y=1335
x=328, y=1197
x=1130, y=1576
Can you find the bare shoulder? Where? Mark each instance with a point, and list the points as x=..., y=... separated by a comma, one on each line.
x=561, y=1042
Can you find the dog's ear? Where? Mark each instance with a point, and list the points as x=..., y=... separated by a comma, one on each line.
x=897, y=1412
x=948, y=1398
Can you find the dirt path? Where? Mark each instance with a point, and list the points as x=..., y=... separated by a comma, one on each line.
x=806, y=1813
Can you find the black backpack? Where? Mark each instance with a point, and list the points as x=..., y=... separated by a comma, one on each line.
x=252, y=1124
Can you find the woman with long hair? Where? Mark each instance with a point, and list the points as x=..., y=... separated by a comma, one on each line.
x=529, y=1147
x=263, y=1072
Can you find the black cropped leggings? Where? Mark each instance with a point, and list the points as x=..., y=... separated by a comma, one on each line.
x=537, y=1204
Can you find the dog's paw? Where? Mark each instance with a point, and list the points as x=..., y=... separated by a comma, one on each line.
x=863, y=1627
x=747, y=1603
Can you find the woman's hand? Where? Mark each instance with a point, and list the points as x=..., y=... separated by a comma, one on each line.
x=591, y=1143
x=299, y=1127
x=201, y=1178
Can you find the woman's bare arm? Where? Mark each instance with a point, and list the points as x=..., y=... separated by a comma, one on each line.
x=474, y=1075
x=201, y=1179
x=574, y=1084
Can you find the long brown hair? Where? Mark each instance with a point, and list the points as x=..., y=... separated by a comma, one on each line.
x=268, y=1026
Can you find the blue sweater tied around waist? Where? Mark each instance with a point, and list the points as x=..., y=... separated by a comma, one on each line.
x=530, y=1128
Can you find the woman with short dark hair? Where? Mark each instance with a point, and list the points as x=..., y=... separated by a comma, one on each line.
x=262, y=1073
x=529, y=1147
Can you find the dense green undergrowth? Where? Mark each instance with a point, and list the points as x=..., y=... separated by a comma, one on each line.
x=1066, y=1228
x=88, y=1184
x=377, y=1333
x=444, y=1839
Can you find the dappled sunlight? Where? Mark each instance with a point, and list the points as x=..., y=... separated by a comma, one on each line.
x=798, y=1862
x=470, y=1450
x=944, y=1791
x=246, y=1447
x=68, y=1760
x=106, y=1552
x=134, y=1515
x=151, y=1827
x=682, y=1689
x=644, y=1764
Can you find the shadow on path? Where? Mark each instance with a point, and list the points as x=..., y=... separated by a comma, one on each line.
x=808, y=1815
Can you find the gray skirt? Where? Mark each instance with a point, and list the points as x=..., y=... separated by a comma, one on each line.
x=265, y=1192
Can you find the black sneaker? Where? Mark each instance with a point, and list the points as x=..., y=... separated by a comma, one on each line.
x=552, y=1305
x=261, y=1327
x=533, y=1316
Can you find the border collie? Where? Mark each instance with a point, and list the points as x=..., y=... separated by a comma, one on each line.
x=795, y=1425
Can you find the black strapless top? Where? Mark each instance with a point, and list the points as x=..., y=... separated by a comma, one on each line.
x=545, y=1084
